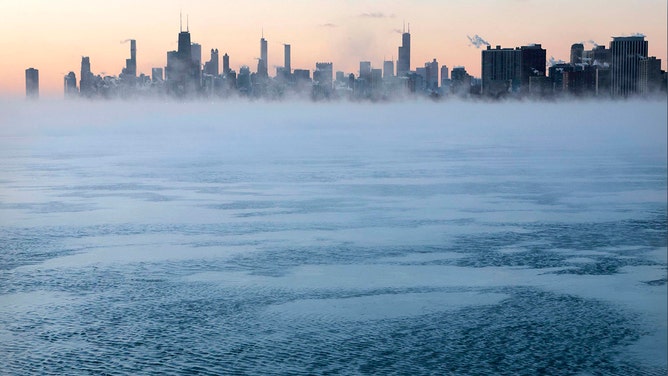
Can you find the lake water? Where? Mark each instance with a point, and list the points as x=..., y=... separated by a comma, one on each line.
x=298, y=238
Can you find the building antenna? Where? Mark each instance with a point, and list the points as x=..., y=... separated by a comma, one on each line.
x=403, y=30
x=409, y=28
x=180, y=21
x=188, y=23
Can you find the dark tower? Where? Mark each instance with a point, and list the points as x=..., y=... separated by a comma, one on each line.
x=577, y=50
x=286, y=53
x=404, y=62
x=226, y=64
x=533, y=63
x=86, y=85
x=262, y=63
x=32, y=83
x=70, y=85
x=626, y=53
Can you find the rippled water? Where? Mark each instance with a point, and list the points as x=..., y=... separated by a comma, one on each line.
x=251, y=238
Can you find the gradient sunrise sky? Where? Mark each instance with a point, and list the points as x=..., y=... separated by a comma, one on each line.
x=53, y=35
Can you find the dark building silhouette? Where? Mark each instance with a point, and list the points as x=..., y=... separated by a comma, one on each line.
x=577, y=51
x=388, y=69
x=287, y=65
x=650, y=76
x=533, y=59
x=302, y=74
x=70, y=85
x=226, y=64
x=262, y=62
x=431, y=76
x=501, y=70
x=211, y=66
x=87, y=83
x=626, y=54
x=460, y=81
x=130, y=71
x=183, y=71
x=404, y=62
x=32, y=83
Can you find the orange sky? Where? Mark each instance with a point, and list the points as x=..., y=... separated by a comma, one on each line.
x=53, y=35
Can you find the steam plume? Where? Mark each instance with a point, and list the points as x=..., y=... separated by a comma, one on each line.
x=477, y=41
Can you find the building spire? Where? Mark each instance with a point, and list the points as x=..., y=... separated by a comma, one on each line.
x=188, y=24
x=180, y=21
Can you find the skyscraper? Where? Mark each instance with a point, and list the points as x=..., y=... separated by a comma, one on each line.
x=388, y=69
x=70, y=85
x=32, y=83
x=183, y=71
x=577, y=51
x=649, y=80
x=431, y=74
x=404, y=62
x=626, y=54
x=501, y=70
x=365, y=71
x=131, y=63
x=226, y=64
x=286, y=56
x=533, y=63
x=211, y=66
x=262, y=63
x=86, y=85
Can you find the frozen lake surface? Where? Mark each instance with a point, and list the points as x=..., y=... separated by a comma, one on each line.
x=275, y=238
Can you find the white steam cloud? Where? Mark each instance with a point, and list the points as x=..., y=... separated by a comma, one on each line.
x=477, y=41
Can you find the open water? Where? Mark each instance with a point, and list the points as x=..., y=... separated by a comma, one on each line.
x=259, y=238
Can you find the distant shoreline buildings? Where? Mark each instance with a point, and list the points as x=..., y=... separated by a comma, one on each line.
x=622, y=70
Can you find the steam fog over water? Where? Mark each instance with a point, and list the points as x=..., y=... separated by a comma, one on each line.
x=300, y=238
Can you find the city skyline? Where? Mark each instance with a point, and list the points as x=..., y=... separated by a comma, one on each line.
x=344, y=35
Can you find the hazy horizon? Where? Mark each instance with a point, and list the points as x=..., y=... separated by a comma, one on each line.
x=54, y=36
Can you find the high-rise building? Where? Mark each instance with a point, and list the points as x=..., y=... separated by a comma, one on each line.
x=460, y=81
x=183, y=69
x=226, y=64
x=404, y=62
x=262, y=64
x=388, y=69
x=32, y=83
x=86, y=85
x=650, y=75
x=130, y=70
x=577, y=51
x=501, y=70
x=70, y=85
x=432, y=74
x=196, y=54
x=626, y=54
x=323, y=74
x=287, y=59
x=445, y=73
x=211, y=66
x=365, y=71
x=533, y=60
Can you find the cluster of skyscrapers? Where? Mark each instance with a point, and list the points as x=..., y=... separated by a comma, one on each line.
x=624, y=69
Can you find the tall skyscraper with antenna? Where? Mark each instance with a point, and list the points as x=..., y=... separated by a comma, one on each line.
x=262, y=64
x=404, y=62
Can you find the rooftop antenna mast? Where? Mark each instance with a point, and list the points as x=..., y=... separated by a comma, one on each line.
x=188, y=24
x=180, y=21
